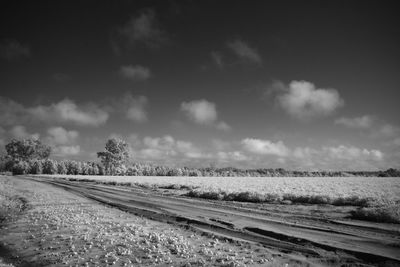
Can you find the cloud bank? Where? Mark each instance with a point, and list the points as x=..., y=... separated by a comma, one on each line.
x=65, y=111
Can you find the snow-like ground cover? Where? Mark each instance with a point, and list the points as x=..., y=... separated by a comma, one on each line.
x=378, y=188
x=58, y=228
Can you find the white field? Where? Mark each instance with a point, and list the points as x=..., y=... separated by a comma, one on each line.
x=379, y=188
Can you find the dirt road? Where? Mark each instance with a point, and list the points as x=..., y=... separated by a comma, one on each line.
x=316, y=233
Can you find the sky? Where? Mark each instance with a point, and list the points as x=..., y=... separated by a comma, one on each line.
x=301, y=85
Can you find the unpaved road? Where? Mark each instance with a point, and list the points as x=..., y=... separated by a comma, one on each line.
x=73, y=226
x=322, y=236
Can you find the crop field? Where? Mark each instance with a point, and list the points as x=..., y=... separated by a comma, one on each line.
x=375, y=189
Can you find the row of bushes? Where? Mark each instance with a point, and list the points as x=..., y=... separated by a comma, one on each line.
x=51, y=166
x=71, y=167
x=256, y=197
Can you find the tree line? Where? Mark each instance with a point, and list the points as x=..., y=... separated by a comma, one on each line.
x=31, y=156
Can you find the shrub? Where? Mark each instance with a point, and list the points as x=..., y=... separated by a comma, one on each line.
x=61, y=168
x=387, y=214
x=85, y=168
x=36, y=167
x=21, y=167
x=50, y=166
x=73, y=167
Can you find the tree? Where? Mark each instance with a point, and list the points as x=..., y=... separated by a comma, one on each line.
x=115, y=156
x=27, y=149
x=50, y=166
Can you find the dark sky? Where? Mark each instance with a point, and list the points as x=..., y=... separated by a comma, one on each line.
x=293, y=84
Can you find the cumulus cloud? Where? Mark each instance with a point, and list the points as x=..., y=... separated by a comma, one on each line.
x=231, y=156
x=135, y=107
x=11, y=112
x=340, y=157
x=66, y=150
x=396, y=141
x=203, y=112
x=68, y=111
x=13, y=50
x=223, y=126
x=265, y=147
x=166, y=147
x=217, y=59
x=200, y=111
x=61, y=136
x=20, y=132
x=245, y=52
x=141, y=29
x=362, y=122
x=302, y=100
x=343, y=152
x=135, y=73
x=386, y=130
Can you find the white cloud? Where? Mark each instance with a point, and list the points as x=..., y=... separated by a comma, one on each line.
x=135, y=73
x=223, y=126
x=13, y=50
x=61, y=136
x=217, y=59
x=200, y=111
x=65, y=111
x=362, y=122
x=230, y=156
x=304, y=101
x=66, y=150
x=68, y=111
x=159, y=148
x=265, y=147
x=387, y=130
x=163, y=143
x=245, y=52
x=135, y=107
x=11, y=112
x=144, y=29
x=343, y=152
x=396, y=141
x=20, y=132
x=203, y=112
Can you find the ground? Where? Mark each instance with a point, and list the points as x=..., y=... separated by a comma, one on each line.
x=45, y=225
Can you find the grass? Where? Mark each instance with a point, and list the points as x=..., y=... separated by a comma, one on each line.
x=387, y=214
x=256, y=197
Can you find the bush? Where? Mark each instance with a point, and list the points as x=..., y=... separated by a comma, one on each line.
x=50, y=166
x=73, y=167
x=21, y=167
x=85, y=168
x=61, y=168
x=36, y=167
x=386, y=214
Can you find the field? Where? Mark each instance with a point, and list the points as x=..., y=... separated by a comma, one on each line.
x=199, y=221
x=373, y=189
